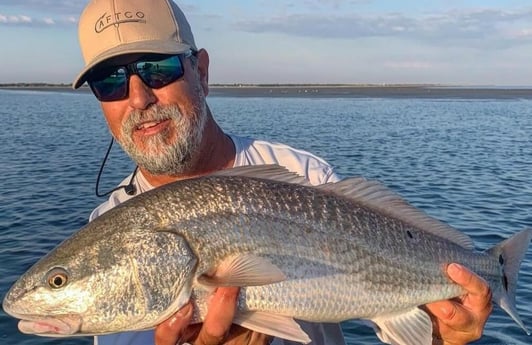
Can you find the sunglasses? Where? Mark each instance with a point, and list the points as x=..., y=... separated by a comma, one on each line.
x=112, y=83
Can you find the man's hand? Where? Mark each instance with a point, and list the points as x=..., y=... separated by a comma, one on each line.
x=216, y=329
x=461, y=320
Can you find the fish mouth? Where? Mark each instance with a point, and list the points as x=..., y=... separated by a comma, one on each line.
x=60, y=325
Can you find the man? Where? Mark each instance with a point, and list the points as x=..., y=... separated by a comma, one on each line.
x=143, y=66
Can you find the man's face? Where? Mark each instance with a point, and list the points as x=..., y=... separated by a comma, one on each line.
x=162, y=129
x=163, y=138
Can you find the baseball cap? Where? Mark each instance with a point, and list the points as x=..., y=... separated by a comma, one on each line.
x=110, y=28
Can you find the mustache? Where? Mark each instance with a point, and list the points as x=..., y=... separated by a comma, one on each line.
x=155, y=113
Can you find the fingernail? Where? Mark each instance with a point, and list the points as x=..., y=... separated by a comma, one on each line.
x=185, y=312
x=454, y=269
x=176, y=321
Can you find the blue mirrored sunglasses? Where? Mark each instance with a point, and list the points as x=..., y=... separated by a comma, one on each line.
x=112, y=83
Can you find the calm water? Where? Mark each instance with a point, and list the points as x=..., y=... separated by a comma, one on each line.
x=467, y=162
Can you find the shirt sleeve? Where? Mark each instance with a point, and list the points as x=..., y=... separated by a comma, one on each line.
x=255, y=152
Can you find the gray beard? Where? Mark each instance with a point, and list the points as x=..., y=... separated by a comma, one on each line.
x=161, y=154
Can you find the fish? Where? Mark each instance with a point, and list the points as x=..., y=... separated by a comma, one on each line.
x=353, y=249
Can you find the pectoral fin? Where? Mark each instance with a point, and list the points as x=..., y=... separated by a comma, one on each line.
x=243, y=270
x=272, y=324
x=413, y=327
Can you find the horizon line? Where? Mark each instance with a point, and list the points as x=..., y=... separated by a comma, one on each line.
x=243, y=85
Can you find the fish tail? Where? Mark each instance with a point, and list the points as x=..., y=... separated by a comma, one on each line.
x=510, y=253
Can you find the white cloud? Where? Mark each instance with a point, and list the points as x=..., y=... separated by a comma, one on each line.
x=478, y=27
x=522, y=33
x=56, y=6
x=72, y=20
x=410, y=65
x=41, y=13
x=12, y=19
x=24, y=20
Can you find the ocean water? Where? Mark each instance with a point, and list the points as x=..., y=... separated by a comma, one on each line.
x=465, y=161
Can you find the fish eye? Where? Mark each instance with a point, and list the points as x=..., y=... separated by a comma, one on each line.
x=57, y=278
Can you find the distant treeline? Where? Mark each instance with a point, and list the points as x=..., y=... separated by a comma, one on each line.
x=234, y=85
x=323, y=85
x=33, y=85
x=277, y=85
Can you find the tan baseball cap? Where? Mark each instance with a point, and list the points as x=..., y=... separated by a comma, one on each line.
x=110, y=28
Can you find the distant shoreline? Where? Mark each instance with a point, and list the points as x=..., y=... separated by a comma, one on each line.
x=329, y=91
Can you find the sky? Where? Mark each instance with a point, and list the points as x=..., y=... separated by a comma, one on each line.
x=450, y=42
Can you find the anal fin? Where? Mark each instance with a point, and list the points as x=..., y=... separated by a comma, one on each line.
x=272, y=324
x=413, y=327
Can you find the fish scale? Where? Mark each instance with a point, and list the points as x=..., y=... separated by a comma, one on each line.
x=276, y=207
x=330, y=253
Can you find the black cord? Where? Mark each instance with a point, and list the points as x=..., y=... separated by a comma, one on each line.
x=129, y=188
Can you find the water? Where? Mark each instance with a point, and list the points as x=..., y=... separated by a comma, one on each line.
x=466, y=162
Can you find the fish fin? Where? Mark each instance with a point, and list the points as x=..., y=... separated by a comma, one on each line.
x=275, y=325
x=413, y=327
x=510, y=253
x=376, y=196
x=265, y=171
x=243, y=270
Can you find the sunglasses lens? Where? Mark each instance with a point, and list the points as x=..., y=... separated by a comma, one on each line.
x=159, y=73
x=110, y=85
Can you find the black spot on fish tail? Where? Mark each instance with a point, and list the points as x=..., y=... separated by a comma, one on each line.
x=505, y=282
x=504, y=277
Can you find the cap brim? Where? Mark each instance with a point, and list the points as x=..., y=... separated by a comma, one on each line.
x=155, y=47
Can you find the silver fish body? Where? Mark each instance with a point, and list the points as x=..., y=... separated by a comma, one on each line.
x=322, y=254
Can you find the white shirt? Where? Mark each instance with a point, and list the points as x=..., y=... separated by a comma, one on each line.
x=248, y=152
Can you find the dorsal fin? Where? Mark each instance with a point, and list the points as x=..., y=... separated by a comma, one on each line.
x=376, y=196
x=266, y=171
